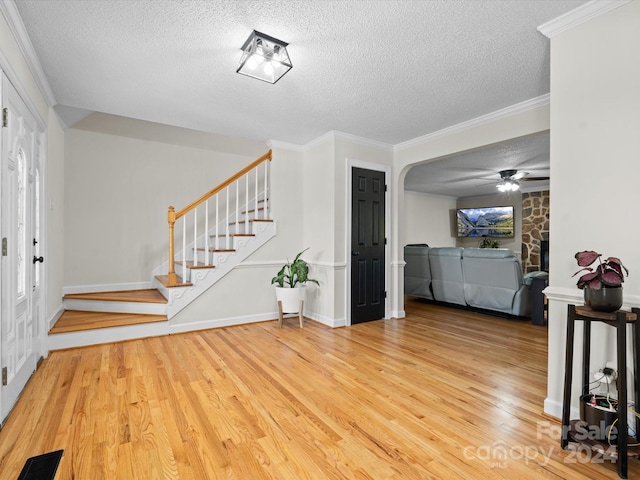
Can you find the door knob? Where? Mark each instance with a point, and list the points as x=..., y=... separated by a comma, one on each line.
x=38, y=259
x=355, y=254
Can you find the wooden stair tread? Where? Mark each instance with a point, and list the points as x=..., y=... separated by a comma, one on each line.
x=150, y=295
x=251, y=220
x=164, y=279
x=190, y=264
x=77, y=320
x=253, y=210
x=222, y=235
x=220, y=250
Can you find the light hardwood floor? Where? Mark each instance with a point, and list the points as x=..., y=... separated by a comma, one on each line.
x=442, y=394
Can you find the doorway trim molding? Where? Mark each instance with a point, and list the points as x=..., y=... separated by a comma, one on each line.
x=377, y=167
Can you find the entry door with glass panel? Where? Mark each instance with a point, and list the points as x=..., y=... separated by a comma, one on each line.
x=20, y=181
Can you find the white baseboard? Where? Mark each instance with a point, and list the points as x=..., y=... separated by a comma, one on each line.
x=398, y=314
x=54, y=318
x=222, y=322
x=554, y=408
x=329, y=322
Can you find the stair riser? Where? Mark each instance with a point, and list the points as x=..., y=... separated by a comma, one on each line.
x=106, y=335
x=222, y=242
x=115, y=307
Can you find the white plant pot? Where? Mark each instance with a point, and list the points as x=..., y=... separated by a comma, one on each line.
x=291, y=298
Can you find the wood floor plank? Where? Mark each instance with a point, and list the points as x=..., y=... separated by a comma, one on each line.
x=443, y=393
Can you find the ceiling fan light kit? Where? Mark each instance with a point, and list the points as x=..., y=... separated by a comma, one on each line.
x=264, y=57
x=510, y=180
x=508, y=186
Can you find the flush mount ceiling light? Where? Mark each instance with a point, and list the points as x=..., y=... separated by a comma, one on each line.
x=508, y=186
x=264, y=58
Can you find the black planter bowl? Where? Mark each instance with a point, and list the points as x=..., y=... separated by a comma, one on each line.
x=597, y=419
x=605, y=299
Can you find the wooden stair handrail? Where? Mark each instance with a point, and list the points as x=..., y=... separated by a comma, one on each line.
x=172, y=215
x=226, y=183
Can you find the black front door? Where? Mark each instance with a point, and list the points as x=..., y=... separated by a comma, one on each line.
x=367, y=245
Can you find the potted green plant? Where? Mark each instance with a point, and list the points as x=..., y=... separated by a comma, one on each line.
x=602, y=285
x=487, y=242
x=290, y=284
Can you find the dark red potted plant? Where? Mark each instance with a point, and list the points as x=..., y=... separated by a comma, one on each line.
x=602, y=285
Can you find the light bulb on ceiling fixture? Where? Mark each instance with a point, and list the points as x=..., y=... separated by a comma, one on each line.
x=260, y=50
x=508, y=186
x=252, y=62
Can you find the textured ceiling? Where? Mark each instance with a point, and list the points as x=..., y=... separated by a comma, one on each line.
x=475, y=173
x=388, y=71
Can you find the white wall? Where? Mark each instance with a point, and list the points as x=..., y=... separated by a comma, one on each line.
x=54, y=209
x=427, y=219
x=116, y=193
x=318, y=228
x=595, y=168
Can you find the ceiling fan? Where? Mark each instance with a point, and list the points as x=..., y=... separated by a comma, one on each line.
x=510, y=180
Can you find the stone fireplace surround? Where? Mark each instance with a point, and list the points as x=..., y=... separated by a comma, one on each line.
x=535, y=227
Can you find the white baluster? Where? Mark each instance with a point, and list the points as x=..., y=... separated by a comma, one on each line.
x=255, y=194
x=246, y=203
x=217, y=223
x=266, y=192
x=195, y=236
x=206, y=233
x=227, y=220
x=237, y=206
x=184, y=248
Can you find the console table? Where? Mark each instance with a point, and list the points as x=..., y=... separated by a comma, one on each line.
x=619, y=319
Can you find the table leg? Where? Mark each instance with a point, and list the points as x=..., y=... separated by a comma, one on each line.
x=280, y=315
x=586, y=356
x=636, y=364
x=568, y=376
x=300, y=312
x=622, y=394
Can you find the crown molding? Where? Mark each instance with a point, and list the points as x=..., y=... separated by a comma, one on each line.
x=331, y=135
x=579, y=15
x=478, y=121
x=337, y=135
x=285, y=145
x=11, y=14
x=366, y=142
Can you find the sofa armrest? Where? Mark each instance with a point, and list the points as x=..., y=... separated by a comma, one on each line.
x=528, y=278
x=522, y=302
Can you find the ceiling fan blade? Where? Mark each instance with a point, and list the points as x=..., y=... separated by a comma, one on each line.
x=485, y=184
x=535, y=179
x=519, y=175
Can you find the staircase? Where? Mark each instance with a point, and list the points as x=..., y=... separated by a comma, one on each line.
x=216, y=232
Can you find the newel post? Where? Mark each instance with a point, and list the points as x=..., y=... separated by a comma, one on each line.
x=171, y=217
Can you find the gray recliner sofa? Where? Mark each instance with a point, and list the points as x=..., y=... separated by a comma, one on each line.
x=417, y=272
x=447, y=278
x=488, y=279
